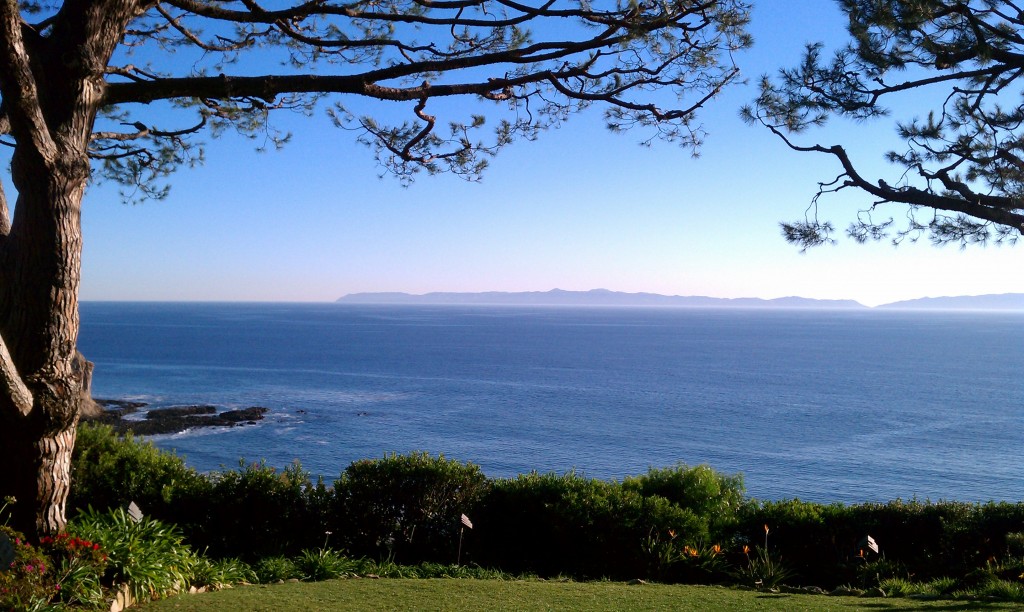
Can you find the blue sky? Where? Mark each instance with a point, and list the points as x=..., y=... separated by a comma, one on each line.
x=578, y=209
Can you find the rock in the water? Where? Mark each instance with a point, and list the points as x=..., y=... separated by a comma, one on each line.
x=174, y=419
x=180, y=411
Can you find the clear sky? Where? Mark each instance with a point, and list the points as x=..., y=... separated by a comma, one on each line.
x=579, y=209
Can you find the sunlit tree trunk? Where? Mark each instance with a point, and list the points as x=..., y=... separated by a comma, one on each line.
x=39, y=282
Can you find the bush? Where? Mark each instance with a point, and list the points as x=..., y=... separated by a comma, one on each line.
x=822, y=543
x=551, y=525
x=715, y=498
x=275, y=569
x=148, y=556
x=406, y=507
x=61, y=570
x=258, y=511
x=221, y=573
x=324, y=564
x=109, y=472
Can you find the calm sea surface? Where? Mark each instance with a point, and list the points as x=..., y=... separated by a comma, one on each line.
x=844, y=406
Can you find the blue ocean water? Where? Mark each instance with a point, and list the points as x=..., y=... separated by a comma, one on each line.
x=837, y=405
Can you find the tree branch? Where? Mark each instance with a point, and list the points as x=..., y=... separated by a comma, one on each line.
x=18, y=85
x=12, y=383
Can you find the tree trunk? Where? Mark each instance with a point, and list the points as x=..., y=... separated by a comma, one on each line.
x=52, y=85
x=39, y=281
x=37, y=473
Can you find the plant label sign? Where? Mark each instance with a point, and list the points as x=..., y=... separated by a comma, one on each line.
x=6, y=552
x=134, y=512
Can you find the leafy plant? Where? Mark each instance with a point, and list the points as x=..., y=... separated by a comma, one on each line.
x=218, y=574
x=147, y=556
x=25, y=583
x=77, y=566
x=274, y=569
x=62, y=569
x=323, y=564
x=760, y=570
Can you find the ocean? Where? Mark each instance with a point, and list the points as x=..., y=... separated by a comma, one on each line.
x=822, y=405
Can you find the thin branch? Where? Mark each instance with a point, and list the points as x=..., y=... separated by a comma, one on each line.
x=13, y=385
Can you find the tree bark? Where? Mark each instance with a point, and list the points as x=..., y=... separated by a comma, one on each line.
x=51, y=84
x=39, y=281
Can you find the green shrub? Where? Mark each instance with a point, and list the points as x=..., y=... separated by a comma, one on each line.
x=406, y=507
x=61, y=570
x=24, y=584
x=900, y=587
x=221, y=573
x=275, y=569
x=258, y=511
x=821, y=543
x=324, y=564
x=77, y=565
x=108, y=472
x=572, y=525
x=715, y=498
x=148, y=556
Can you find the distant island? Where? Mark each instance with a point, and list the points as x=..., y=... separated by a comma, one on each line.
x=605, y=297
x=1004, y=301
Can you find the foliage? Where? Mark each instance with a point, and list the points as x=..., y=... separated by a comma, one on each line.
x=672, y=561
x=258, y=511
x=572, y=525
x=822, y=543
x=78, y=565
x=761, y=571
x=324, y=564
x=961, y=169
x=275, y=569
x=148, y=556
x=109, y=472
x=61, y=570
x=407, y=507
x=221, y=573
x=396, y=513
x=708, y=494
x=24, y=584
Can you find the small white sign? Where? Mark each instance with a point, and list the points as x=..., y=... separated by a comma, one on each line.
x=869, y=543
x=134, y=512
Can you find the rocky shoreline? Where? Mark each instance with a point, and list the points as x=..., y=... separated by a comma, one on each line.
x=170, y=420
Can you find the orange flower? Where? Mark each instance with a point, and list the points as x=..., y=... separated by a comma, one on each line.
x=690, y=551
x=716, y=549
x=746, y=549
x=766, y=529
x=672, y=533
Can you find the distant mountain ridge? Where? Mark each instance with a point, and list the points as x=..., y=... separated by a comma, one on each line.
x=594, y=297
x=605, y=297
x=1002, y=301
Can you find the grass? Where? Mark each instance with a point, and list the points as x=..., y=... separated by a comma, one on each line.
x=474, y=595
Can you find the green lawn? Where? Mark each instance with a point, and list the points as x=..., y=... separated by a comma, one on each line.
x=474, y=595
